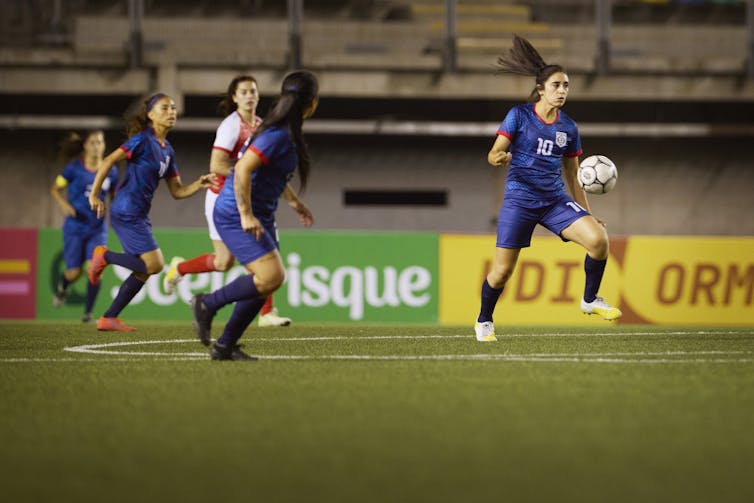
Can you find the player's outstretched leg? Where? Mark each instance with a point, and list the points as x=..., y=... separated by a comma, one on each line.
x=600, y=307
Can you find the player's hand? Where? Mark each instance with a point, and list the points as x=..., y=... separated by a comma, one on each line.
x=96, y=204
x=251, y=225
x=304, y=214
x=499, y=158
x=69, y=211
x=208, y=180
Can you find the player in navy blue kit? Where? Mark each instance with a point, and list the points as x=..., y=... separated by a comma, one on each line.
x=150, y=159
x=82, y=230
x=245, y=214
x=534, y=141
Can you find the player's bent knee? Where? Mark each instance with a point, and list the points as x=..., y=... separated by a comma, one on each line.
x=155, y=267
x=498, y=277
x=223, y=264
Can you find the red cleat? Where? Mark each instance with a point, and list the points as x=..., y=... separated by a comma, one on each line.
x=97, y=264
x=113, y=325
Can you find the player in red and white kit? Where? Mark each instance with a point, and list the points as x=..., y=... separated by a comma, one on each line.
x=240, y=105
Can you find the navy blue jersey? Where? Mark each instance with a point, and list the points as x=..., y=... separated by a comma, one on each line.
x=148, y=162
x=80, y=182
x=279, y=157
x=537, y=148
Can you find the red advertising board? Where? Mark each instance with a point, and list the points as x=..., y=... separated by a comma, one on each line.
x=18, y=273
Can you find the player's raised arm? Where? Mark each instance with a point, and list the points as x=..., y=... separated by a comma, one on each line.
x=102, y=170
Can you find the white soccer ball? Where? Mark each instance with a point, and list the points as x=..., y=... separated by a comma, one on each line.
x=597, y=174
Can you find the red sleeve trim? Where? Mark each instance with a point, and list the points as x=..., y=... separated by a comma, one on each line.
x=503, y=133
x=223, y=149
x=260, y=154
x=174, y=175
x=574, y=155
x=127, y=152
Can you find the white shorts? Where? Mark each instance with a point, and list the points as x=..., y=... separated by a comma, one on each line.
x=209, y=210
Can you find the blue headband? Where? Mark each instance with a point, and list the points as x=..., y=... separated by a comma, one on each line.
x=291, y=87
x=154, y=100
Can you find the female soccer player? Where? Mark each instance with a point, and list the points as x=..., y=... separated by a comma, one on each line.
x=82, y=229
x=241, y=98
x=534, y=140
x=245, y=214
x=150, y=158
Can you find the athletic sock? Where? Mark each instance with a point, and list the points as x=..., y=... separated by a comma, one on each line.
x=202, y=263
x=132, y=262
x=244, y=313
x=63, y=282
x=241, y=288
x=489, y=300
x=594, y=269
x=91, y=296
x=267, y=307
x=128, y=291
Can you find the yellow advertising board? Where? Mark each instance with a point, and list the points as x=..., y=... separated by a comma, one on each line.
x=662, y=280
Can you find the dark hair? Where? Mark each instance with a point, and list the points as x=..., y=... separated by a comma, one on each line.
x=138, y=121
x=523, y=59
x=72, y=145
x=226, y=105
x=297, y=92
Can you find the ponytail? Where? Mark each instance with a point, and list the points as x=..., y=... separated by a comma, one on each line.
x=523, y=59
x=298, y=91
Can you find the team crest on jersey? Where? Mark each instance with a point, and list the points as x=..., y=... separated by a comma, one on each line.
x=561, y=139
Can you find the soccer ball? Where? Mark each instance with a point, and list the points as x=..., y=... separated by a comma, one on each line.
x=597, y=174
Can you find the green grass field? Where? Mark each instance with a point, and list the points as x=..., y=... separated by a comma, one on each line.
x=364, y=413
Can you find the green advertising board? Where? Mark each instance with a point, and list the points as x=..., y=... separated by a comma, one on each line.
x=331, y=276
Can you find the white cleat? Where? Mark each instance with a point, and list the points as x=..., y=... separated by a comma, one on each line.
x=273, y=319
x=171, y=279
x=485, y=331
x=602, y=308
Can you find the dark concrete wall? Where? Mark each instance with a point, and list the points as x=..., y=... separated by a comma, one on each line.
x=666, y=186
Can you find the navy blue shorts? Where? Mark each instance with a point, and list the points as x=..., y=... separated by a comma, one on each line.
x=516, y=222
x=135, y=233
x=242, y=245
x=79, y=246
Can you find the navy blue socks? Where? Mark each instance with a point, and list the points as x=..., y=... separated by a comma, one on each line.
x=244, y=313
x=91, y=296
x=63, y=282
x=489, y=300
x=241, y=288
x=132, y=262
x=128, y=291
x=594, y=269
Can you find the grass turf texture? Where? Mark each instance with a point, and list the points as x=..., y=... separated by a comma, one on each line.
x=624, y=413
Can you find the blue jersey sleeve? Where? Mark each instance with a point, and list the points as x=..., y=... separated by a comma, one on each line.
x=510, y=125
x=69, y=171
x=267, y=144
x=132, y=147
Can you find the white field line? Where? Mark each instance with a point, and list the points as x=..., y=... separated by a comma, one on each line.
x=622, y=357
x=612, y=357
x=471, y=336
